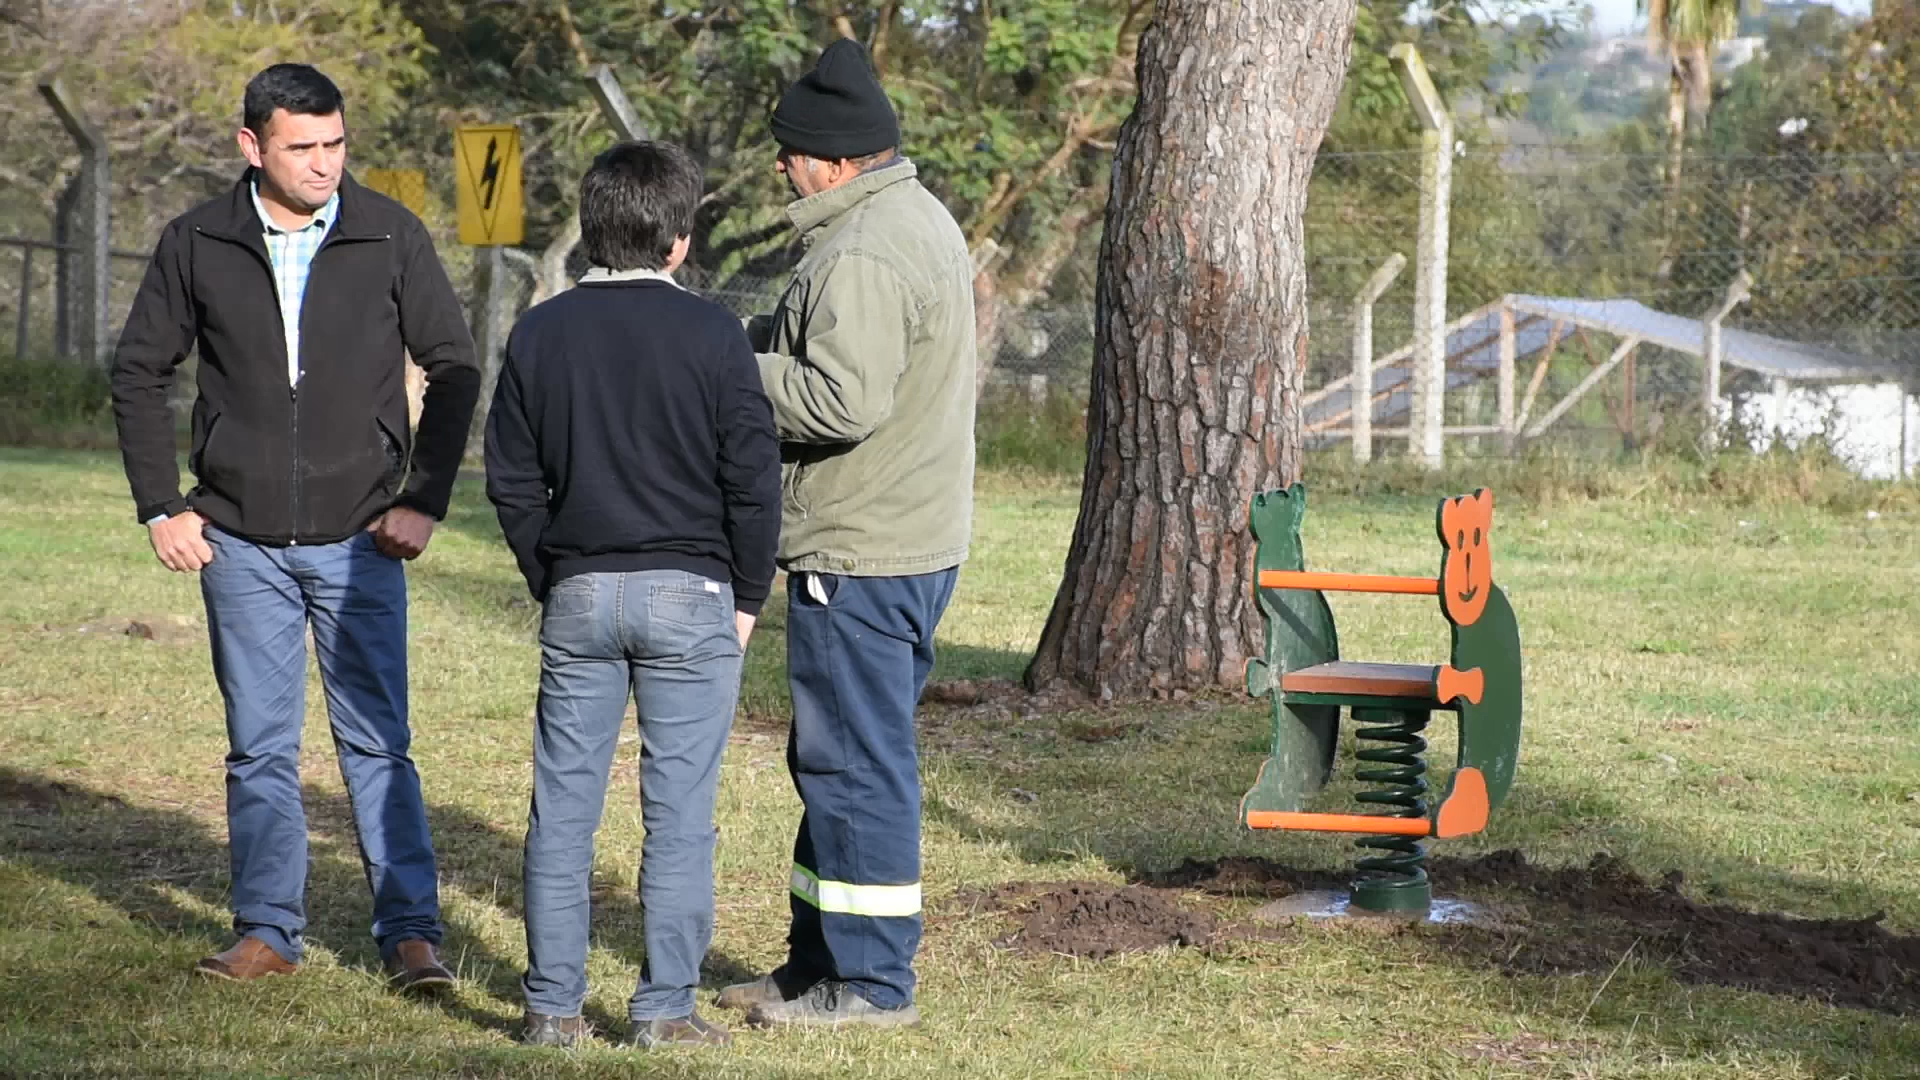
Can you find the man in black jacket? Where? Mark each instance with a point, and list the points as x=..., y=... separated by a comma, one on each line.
x=302, y=291
x=632, y=462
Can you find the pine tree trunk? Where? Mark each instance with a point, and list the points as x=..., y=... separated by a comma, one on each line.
x=1201, y=338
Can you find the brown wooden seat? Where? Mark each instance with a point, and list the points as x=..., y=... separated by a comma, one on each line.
x=1361, y=678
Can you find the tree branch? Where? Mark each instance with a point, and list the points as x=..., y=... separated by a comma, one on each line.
x=735, y=179
x=552, y=278
x=1002, y=182
x=751, y=238
x=1134, y=8
x=1037, y=271
x=1079, y=131
x=574, y=40
x=883, y=27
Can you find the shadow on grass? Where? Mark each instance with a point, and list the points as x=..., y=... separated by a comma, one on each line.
x=1145, y=790
x=1157, y=806
x=1590, y=946
x=134, y=857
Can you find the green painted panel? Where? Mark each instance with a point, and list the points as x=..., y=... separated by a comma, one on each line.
x=1485, y=636
x=1299, y=634
x=1490, y=731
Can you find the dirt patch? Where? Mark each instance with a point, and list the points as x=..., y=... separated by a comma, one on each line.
x=1243, y=875
x=1577, y=919
x=1845, y=961
x=165, y=629
x=1093, y=921
x=1003, y=694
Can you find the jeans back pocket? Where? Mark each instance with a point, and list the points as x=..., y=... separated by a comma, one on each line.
x=688, y=606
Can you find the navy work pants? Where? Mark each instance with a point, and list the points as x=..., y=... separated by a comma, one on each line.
x=859, y=650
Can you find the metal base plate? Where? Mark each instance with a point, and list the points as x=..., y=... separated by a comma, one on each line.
x=1338, y=904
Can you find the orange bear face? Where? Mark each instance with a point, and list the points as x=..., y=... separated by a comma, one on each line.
x=1467, y=574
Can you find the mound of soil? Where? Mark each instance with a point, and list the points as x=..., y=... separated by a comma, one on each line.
x=1093, y=921
x=1245, y=875
x=1578, y=919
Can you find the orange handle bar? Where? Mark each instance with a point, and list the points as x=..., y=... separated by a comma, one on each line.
x=1370, y=583
x=1347, y=823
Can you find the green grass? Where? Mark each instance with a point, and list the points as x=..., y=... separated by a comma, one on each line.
x=1724, y=686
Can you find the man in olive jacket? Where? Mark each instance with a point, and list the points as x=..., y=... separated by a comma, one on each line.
x=868, y=361
x=302, y=292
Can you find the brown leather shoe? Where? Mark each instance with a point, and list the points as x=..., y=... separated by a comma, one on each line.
x=415, y=966
x=249, y=958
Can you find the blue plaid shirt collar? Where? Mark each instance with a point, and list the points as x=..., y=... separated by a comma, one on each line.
x=322, y=218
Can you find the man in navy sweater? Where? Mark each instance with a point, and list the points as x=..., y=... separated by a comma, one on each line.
x=632, y=462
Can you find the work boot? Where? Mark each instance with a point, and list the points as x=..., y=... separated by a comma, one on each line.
x=415, y=966
x=689, y=1030
x=765, y=990
x=830, y=1003
x=248, y=958
x=565, y=1032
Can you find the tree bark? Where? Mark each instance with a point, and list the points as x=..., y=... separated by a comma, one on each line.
x=1201, y=341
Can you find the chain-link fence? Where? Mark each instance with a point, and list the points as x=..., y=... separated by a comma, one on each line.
x=39, y=278
x=1831, y=244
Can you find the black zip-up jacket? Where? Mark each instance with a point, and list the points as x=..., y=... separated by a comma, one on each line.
x=629, y=431
x=274, y=464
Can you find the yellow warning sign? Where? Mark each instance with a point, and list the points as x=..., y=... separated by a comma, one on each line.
x=486, y=164
x=408, y=187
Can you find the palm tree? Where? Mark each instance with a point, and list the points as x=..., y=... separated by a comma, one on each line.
x=1688, y=30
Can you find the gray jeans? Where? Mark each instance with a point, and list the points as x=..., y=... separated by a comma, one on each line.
x=669, y=637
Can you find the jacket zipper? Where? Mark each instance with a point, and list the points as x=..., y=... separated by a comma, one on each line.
x=293, y=488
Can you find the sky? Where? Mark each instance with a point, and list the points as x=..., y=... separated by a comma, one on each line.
x=1613, y=16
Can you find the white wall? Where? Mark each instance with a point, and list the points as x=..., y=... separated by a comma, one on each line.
x=1864, y=421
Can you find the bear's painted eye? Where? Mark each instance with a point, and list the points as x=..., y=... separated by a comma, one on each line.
x=1462, y=541
x=1476, y=537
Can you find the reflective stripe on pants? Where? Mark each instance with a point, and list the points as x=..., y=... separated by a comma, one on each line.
x=838, y=896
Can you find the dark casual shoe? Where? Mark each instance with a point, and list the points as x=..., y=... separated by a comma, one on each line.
x=249, y=958
x=563, y=1031
x=415, y=966
x=689, y=1030
x=830, y=1004
x=764, y=990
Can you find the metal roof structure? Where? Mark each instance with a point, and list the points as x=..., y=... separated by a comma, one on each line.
x=1776, y=358
x=1473, y=352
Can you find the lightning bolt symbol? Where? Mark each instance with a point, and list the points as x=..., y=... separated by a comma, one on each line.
x=490, y=174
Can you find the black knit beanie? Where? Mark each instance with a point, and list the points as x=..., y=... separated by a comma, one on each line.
x=837, y=110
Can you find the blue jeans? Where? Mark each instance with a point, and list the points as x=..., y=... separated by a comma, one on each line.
x=668, y=636
x=259, y=603
x=859, y=650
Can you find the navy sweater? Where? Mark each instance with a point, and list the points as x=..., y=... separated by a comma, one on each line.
x=629, y=431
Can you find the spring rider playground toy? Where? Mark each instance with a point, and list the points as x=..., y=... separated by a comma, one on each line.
x=1391, y=704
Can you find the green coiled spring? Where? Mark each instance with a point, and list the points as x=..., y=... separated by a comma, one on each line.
x=1396, y=879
